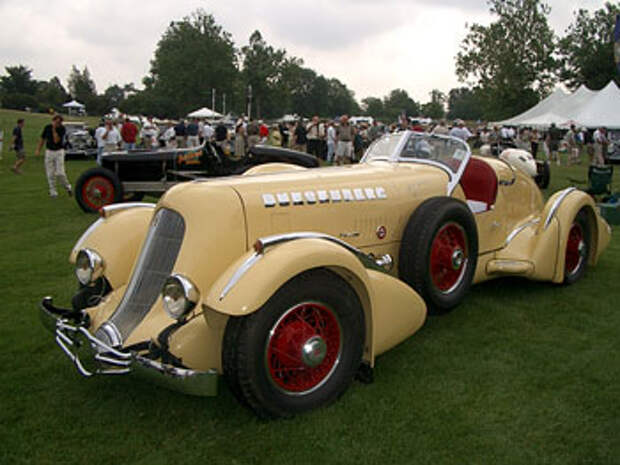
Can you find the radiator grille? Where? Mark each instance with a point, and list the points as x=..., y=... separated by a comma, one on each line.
x=157, y=257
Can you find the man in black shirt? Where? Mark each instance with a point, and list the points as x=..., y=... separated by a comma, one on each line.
x=18, y=146
x=53, y=136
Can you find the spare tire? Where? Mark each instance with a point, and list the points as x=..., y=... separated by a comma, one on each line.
x=544, y=174
x=96, y=188
x=439, y=252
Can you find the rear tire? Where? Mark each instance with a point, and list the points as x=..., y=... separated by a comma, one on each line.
x=300, y=350
x=96, y=188
x=439, y=253
x=578, y=246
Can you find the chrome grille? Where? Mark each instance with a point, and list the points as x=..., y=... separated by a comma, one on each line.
x=157, y=257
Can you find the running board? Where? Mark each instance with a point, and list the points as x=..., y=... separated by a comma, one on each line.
x=510, y=267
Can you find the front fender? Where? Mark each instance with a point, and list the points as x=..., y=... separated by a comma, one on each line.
x=117, y=239
x=392, y=310
x=268, y=271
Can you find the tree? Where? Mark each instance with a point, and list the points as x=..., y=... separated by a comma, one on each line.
x=511, y=60
x=373, y=106
x=51, y=94
x=262, y=69
x=397, y=102
x=587, y=49
x=436, y=107
x=193, y=57
x=82, y=88
x=18, y=81
x=114, y=96
x=465, y=103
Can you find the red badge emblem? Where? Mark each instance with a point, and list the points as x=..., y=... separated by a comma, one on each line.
x=381, y=232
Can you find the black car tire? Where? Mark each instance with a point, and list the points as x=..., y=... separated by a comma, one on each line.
x=578, y=247
x=439, y=252
x=97, y=187
x=277, y=363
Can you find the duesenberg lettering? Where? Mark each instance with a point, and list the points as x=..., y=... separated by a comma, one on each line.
x=322, y=196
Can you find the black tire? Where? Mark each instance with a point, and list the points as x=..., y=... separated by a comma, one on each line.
x=544, y=174
x=97, y=187
x=443, y=277
x=578, y=247
x=256, y=357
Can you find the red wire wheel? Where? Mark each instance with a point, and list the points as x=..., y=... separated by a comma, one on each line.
x=448, y=257
x=97, y=192
x=303, y=348
x=575, y=249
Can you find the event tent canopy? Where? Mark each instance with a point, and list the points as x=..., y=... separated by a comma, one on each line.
x=73, y=104
x=584, y=108
x=204, y=112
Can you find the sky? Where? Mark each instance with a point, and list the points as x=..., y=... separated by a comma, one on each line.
x=371, y=46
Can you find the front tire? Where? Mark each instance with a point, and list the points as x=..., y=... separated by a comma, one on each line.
x=439, y=252
x=300, y=350
x=96, y=188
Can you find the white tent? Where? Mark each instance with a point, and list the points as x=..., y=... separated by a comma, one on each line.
x=204, y=112
x=73, y=104
x=584, y=107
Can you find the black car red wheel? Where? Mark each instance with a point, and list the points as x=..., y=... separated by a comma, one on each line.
x=97, y=191
x=439, y=252
x=303, y=348
x=300, y=350
x=577, y=248
x=96, y=188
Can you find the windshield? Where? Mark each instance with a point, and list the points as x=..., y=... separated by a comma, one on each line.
x=383, y=148
x=450, y=152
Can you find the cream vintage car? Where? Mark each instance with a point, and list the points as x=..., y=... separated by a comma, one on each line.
x=289, y=282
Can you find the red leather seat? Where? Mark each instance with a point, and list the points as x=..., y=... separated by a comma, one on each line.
x=479, y=182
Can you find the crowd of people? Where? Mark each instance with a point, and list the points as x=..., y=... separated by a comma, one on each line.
x=336, y=141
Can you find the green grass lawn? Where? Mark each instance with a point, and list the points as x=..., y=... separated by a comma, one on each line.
x=521, y=373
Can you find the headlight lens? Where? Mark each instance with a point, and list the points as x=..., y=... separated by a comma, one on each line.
x=88, y=266
x=179, y=296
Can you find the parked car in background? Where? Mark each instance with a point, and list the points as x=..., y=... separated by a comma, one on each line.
x=80, y=142
x=289, y=282
x=129, y=175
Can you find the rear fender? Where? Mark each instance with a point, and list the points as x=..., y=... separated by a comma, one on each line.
x=392, y=310
x=117, y=239
x=561, y=209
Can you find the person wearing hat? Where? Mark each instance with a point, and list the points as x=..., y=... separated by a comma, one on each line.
x=53, y=136
x=460, y=131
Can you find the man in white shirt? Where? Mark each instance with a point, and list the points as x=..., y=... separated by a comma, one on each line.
x=460, y=131
x=315, y=133
x=207, y=131
x=108, y=139
x=148, y=134
x=600, y=146
x=331, y=141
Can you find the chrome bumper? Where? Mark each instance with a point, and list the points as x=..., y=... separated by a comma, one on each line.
x=92, y=356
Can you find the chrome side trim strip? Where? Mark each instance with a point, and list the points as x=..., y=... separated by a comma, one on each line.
x=270, y=241
x=108, y=210
x=520, y=228
x=556, y=205
x=85, y=235
x=238, y=274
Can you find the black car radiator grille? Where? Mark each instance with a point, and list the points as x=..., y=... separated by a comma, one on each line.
x=157, y=257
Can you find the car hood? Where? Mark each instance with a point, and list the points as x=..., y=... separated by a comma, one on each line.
x=351, y=202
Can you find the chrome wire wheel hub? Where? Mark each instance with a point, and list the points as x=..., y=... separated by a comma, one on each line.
x=314, y=351
x=303, y=348
x=448, y=257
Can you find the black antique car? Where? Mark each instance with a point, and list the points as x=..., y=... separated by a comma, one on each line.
x=129, y=175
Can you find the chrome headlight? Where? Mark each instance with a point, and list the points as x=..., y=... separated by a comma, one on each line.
x=179, y=296
x=88, y=266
